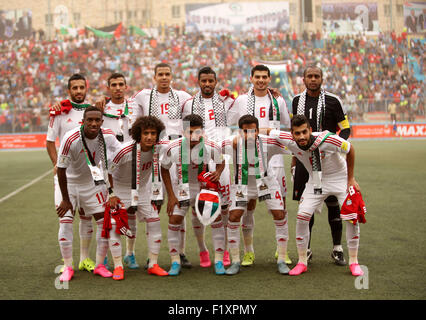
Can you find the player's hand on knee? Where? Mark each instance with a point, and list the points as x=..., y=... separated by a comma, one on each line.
x=63, y=208
x=171, y=203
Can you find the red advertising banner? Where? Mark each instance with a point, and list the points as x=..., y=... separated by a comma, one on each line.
x=411, y=130
x=23, y=141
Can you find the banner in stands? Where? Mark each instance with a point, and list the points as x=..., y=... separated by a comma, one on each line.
x=237, y=16
x=350, y=18
x=414, y=17
x=412, y=130
x=23, y=141
x=15, y=24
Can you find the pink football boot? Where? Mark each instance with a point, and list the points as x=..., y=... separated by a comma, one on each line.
x=298, y=269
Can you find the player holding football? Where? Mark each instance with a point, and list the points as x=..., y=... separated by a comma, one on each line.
x=217, y=113
x=251, y=154
x=192, y=154
x=272, y=113
x=60, y=123
x=82, y=176
x=135, y=170
x=329, y=175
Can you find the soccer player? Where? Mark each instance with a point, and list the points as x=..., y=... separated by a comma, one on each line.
x=135, y=174
x=192, y=154
x=59, y=124
x=119, y=115
x=166, y=103
x=324, y=111
x=82, y=175
x=251, y=154
x=272, y=113
x=217, y=113
x=329, y=174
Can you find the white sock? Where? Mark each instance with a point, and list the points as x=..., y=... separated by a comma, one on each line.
x=182, y=236
x=130, y=242
x=218, y=237
x=198, y=228
x=281, y=235
x=65, y=238
x=302, y=236
x=174, y=241
x=233, y=231
x=86, y=231
x=153, y=228
x=248, y=228
x=352, y=239
x=115, y=245
x=101, y=243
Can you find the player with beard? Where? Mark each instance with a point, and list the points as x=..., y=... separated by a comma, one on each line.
x=324, y=111
x=217, y=113
x=271, y=112
x=68, y=115
x=329, y=175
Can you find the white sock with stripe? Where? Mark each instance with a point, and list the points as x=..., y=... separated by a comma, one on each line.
x=65, y=238
x=173, y=236
x=218, y=237
x=101, y=243
x=233, y=231
x=248, y=228
x=198, y=228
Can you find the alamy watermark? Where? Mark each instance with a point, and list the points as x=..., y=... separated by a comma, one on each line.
x=361, y=282
x=58, y=283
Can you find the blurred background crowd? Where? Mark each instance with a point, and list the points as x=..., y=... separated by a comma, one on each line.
x=379, y=75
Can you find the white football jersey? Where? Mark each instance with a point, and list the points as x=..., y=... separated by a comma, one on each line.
x=173, y=126
x=121, y=166
x=121, y=125
x=212, y=132
x=62, y=123
x=72, y=157
x=333, y=165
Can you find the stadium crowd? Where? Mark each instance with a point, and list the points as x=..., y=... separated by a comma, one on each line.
x=368, y=73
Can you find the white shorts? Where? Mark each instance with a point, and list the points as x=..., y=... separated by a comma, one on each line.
x=275, y=203
x=194, y=189
x=311, y=203
x=146, y=210
x=90, y=197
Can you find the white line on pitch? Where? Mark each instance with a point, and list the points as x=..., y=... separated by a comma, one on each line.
x=29, y=184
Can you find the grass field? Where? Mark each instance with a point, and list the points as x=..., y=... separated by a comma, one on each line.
x=392, y=175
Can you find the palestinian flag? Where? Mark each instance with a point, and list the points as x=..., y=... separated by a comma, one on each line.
x=107, y=32
x=138, y=31
x=207, y=206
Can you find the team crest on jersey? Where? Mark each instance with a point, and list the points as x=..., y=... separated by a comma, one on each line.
x=349, y=202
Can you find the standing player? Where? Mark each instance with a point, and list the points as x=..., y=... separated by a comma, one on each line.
x=272, y=113
x=135, y=171
x=166, y=104
x=216, y=111
x=329, y=174
x=324, y=112
x=60, y=123
x=119, y=115
x=191, y=154
x=82, y=176
x=251, y=153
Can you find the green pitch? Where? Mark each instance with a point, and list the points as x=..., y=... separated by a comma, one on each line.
x=392, y=178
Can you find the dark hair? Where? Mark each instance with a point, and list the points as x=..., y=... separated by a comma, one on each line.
x=116, y=75
x=91, y=108
x=298, y=120
x=312, y=66
x=248, y=119
x=194, y=121
x=76, y=76
x=260, y=67
x=162, y=65
x=146, y=122
x=206, y=70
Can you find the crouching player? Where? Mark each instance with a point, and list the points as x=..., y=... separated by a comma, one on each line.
x=82, y=176
x=191, y=154
x=137, y=185
x=251, y=154
x=329, y=174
